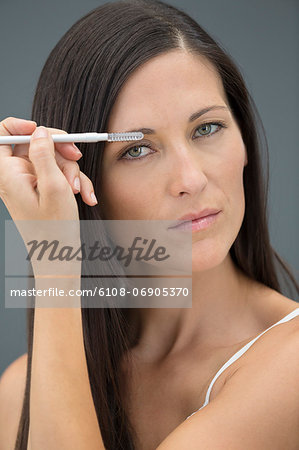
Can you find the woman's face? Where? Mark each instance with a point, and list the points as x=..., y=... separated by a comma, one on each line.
x=183, y=165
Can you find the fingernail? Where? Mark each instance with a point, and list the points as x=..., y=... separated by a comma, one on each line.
x=77, y=183
x=40, y=132
x=26, y=120
x=77, y=150
x=93, y=197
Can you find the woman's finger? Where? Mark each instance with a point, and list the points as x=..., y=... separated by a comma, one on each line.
x=77, y=179
x=65, y=149
x=71, y=171
x=69, y=168
x=87, y=191
x=42, y=156
x=68, y=150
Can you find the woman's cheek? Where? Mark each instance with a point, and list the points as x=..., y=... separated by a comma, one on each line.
x=127, y=198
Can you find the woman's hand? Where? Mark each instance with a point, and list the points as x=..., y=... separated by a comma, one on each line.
x=15, y=170
x=33, y=187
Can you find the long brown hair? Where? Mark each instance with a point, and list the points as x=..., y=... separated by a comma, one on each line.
x=77, y=88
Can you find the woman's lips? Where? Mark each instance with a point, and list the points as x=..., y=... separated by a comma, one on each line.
x=197, y=224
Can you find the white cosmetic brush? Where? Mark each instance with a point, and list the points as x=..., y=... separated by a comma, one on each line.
x=77, y=137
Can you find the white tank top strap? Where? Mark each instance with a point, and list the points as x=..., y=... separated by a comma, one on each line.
x=240, y=352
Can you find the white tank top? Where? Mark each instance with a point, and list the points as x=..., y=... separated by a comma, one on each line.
x=239, y=353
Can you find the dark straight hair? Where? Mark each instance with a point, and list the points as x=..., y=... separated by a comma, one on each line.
x=77, y=88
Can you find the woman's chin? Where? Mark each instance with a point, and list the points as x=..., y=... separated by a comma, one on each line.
x=206, y=260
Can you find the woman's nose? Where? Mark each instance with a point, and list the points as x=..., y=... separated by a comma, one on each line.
x=186, y=171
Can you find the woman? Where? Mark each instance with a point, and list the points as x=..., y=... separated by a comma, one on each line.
x=124, y=66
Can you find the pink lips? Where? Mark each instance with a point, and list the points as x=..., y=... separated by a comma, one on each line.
x=198, y=215
x=193, y=216
x=203, y=221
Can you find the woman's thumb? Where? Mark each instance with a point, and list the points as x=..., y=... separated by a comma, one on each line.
x=42, y=155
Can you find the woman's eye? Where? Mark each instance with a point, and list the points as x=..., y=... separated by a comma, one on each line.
x=206, y=129
x=134, y=152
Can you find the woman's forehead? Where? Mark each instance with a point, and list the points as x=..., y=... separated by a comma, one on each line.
x=170, y=84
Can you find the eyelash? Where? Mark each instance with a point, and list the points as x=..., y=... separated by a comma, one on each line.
x=219, y=124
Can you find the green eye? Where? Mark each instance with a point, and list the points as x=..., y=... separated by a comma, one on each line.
x=207, y=128
x=134, y=151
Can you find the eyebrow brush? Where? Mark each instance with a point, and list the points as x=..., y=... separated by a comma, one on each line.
x=77, y=137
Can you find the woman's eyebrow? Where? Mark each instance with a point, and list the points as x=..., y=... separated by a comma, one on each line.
x=193, y=117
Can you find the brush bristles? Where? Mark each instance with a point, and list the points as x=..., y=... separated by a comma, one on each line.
x=114, y=137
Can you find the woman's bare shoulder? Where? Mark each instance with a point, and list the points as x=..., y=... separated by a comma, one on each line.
x=12, y=388
x=270, y=306
x=262, y=389
x=278, y=343
x=275, y=341
x=263, y=386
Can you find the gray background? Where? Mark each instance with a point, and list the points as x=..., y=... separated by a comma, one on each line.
x=262, y=36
